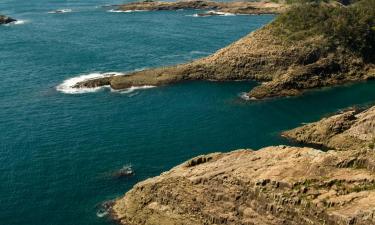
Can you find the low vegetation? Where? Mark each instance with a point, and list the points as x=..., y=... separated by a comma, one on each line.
x=349, y=27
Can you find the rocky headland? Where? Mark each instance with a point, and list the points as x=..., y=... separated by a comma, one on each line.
x=352, y=129
x=272, y=186
x=6, y=19
x=308, y=46
x=227, y=7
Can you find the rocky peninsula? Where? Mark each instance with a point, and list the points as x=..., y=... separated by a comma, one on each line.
x=289, y=55
x=225, y=7
x=6, y=19
x=272, y=186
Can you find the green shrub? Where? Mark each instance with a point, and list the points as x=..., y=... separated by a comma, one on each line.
x=351, y=27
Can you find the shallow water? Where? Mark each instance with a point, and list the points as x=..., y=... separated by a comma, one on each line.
x=57, y=150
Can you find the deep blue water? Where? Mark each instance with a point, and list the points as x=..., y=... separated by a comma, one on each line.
x=57, y=150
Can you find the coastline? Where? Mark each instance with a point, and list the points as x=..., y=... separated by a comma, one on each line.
x=274, y=185
x=244, y=8
x=286, y=67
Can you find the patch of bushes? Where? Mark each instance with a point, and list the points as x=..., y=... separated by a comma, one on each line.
x=351, y=27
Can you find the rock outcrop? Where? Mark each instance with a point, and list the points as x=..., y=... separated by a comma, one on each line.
x=271, y=186
x=352, y=129
x=228, y=7
x=6, y=19
x=285, y=66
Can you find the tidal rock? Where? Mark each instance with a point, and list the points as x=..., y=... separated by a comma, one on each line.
x=126, y=171
x=6, y=20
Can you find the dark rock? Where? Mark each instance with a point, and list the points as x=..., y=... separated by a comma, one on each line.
x=6, y=20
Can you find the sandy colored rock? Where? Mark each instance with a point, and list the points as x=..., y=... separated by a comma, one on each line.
x=351, y=129
x=274, y=185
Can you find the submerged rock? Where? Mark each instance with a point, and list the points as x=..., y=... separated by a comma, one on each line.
x=126, y=171
x=272, y=186
x=6, y=19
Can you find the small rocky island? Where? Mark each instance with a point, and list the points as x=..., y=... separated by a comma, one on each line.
x=225, y=7
x=308, y=46
x=272, y=186
x=6, y=20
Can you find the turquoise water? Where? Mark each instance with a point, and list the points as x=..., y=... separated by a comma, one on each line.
x=57, y=150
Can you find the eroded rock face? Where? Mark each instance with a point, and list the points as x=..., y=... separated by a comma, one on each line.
x=274, y=185
x=349, y=130
x=6, y=20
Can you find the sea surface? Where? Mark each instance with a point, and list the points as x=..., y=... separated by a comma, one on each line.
x=59, y=147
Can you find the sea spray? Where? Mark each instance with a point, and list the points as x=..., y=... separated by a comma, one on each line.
x=125, y=11
x=60, y=11
x=68, y=86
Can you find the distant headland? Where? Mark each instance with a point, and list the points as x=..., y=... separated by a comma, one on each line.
x=308, y=46
x=223, y=7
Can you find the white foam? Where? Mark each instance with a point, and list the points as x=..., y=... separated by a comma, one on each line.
x=125, y=11
x=101, y=213
x=58, y=11
x=67, y=86
x=18, y=22
x=224, y=13
x=244, y=96
x=133, y=88
x=212, y=13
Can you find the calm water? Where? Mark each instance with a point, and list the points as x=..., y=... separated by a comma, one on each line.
x=57, y=150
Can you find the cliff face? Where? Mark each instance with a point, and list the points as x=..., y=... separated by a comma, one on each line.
x=275, y=185
x=6, y=19
x=286, y=65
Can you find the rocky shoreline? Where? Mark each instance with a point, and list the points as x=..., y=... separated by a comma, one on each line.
x=225, y=7
x=272, y=186
x=6, y=20
x=285, y=66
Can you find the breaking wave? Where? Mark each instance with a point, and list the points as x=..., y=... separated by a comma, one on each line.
x=67, y=86
x=212, y=13
x=18, y=22
x=132, y=89
x=58, y=11
x=244, y=96
x=125, y=11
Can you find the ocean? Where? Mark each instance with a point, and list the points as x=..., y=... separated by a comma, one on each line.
x=59, y=146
